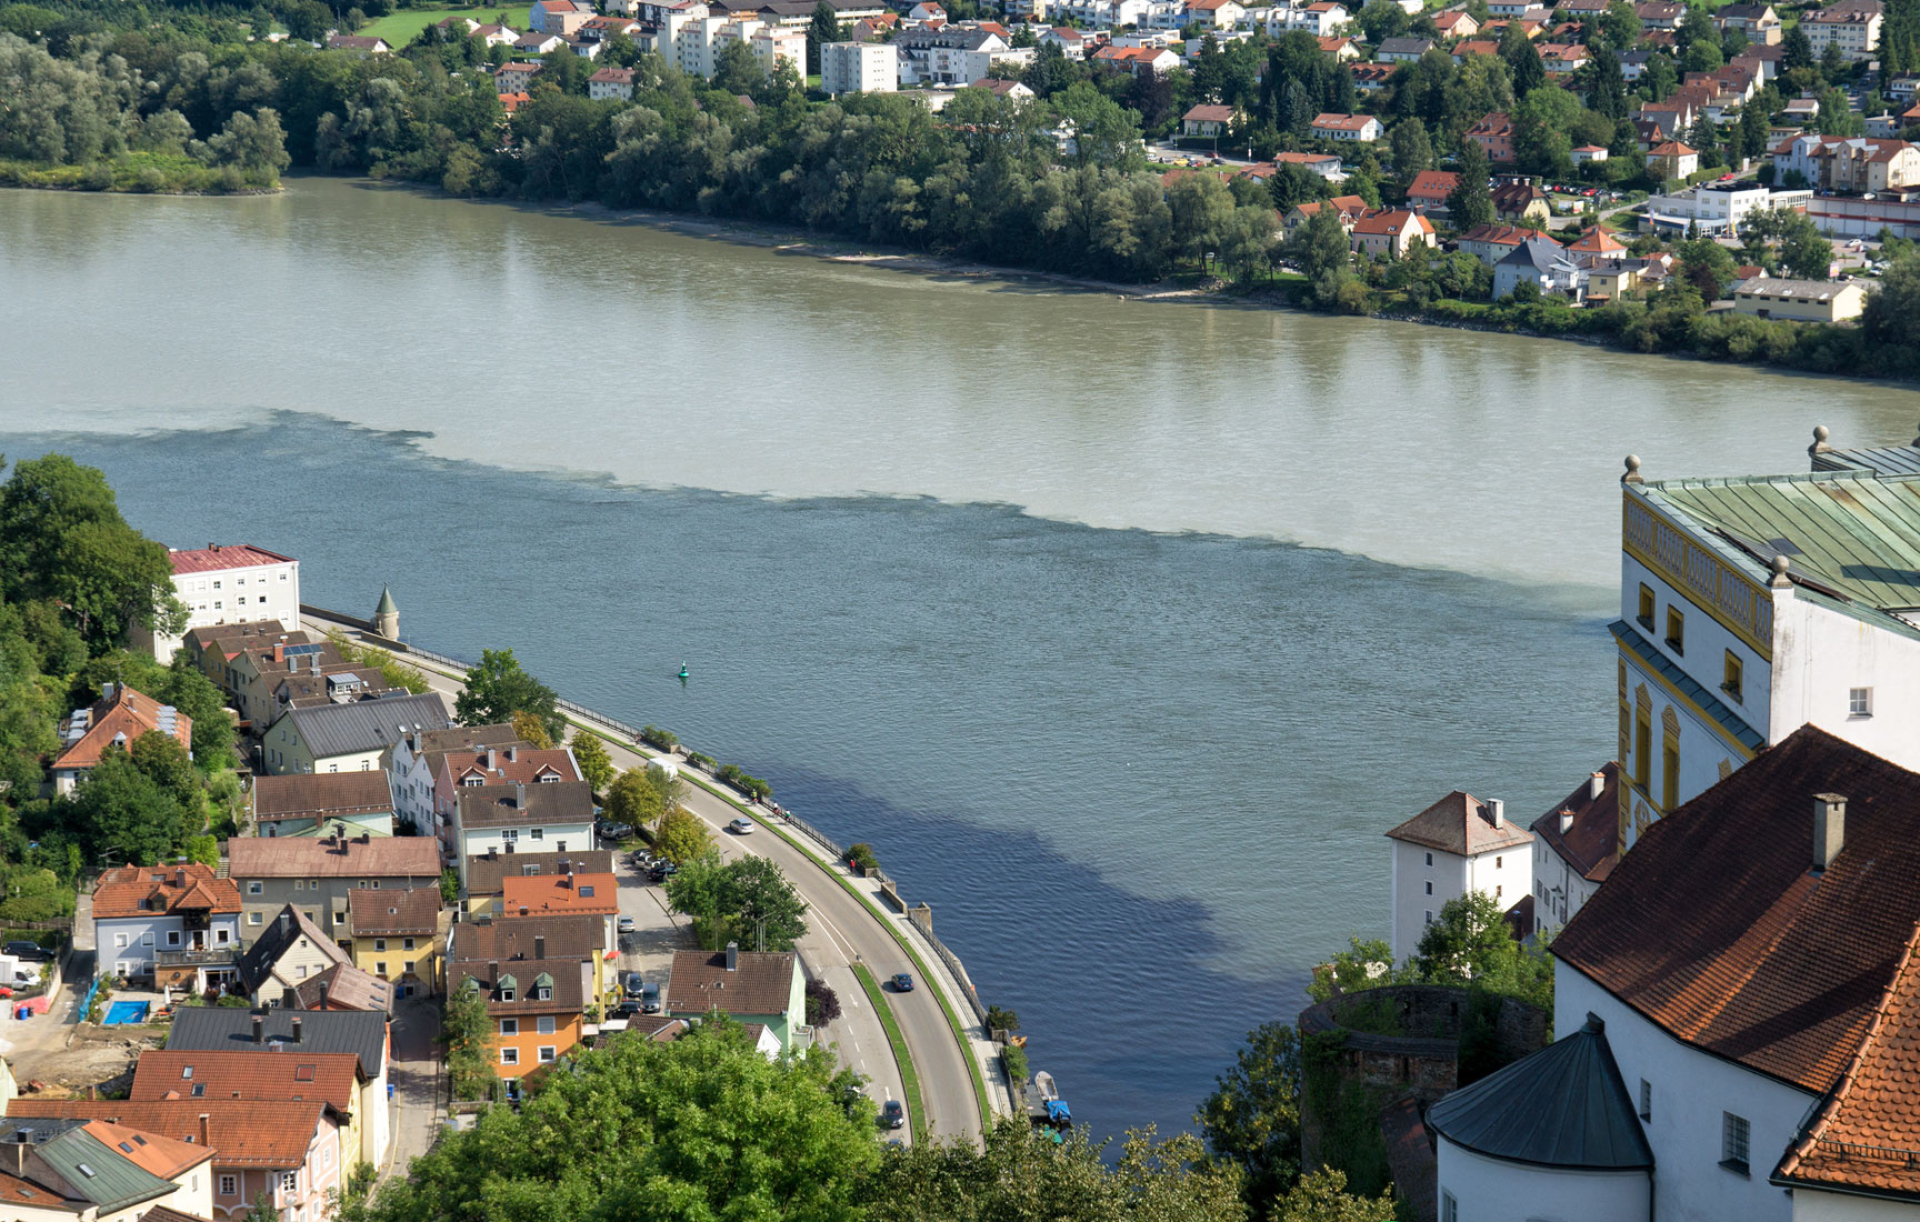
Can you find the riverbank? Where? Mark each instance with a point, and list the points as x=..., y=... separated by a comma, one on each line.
x=137, y=174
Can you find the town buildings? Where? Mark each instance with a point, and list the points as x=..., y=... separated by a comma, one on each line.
x=1362, y=128
x=324, y=803
x=1392, y=233
x=858, y=67
x=1800, y=300
x=81, y=1170
x=504, y=818
x=347, y=737
x=749, y=986
x=1851, y=25
x=317, y=875
x=116, y=720
x=171, y=924
x=1575, y=847
x=1458, y=845
x=395, y=935
x=487, y=873
x=231, y=584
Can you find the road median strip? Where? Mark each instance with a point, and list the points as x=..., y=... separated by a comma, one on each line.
x=909, y=1080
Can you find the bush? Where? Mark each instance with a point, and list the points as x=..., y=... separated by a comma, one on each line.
x=1002, y=1020
x=699, y=760
x=823, y=1004
x=860, y=856
x=1015, y=1060
x=654, y=736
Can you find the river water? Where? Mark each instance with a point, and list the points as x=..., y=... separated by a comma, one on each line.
x=1122, y=630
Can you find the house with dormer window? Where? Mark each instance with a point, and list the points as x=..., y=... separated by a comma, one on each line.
x=536, y=1006
x=182, y=922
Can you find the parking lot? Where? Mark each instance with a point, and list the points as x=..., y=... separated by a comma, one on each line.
x=657, y=932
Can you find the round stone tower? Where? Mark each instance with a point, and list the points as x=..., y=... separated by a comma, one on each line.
x=386, y=616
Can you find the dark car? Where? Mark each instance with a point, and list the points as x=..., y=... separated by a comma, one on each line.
x=650, y=998
x=893, y=1115
x=663, y=871
x=629, y=1007
x=635, y=985
x=30, y=951
x=903, y=982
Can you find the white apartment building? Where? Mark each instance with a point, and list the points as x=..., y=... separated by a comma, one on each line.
x=775, y=45
x=611, y=85
x=1753, y=606
x=1720, y=208
x=1457, y=845
x=230, y=584
x=1575, y=847
x=858, y=67
x=1320, y=19
x=1854, y=25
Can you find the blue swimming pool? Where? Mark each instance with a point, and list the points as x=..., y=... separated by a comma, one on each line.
x=126, y=1012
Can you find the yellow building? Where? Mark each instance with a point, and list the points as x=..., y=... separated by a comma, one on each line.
x=394, y=935
x=1799, y=300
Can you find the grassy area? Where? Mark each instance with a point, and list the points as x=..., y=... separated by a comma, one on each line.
x=402, y=26
x=160, y=173
x=909, y=1080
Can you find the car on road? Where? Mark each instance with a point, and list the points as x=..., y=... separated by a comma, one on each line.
x=903, y=982
x=650, y=998
x=32, y=952
x=635, y=986
x=625, y=924
x=628, y=1008
x=740, y=827
x=662, y=870
x=893, y=1115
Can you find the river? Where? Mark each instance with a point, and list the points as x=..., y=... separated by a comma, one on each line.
x=1122, y=630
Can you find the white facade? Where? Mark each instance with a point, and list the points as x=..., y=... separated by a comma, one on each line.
x=1559, y=890
x=1716, y=210
x=1691, y=1094
x=259, y=585
x=858, y=67
x=1473, y=1186
x=1424, y=879
x=775, y=45
x=127, y=944
x=1812, y=1205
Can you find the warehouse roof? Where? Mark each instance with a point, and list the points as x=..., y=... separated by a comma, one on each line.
x=366, y=725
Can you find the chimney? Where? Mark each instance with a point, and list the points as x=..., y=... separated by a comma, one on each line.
x=1829, y=828
x=106, y=691
x=1596, y=784
x=296, y=1029
x=733, y=956
x=18, y=1149
x=1496, y=811
x=520, y=795
x=259, y=1028
x=286, y=923
x=493, y=763
x=179, y=878
x=513, y=754
x=206, y=1129
x=279, y=652
x=1566, y=821
x=323, y=998
x=539, y=947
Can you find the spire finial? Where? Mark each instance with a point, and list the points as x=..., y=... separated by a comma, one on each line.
x=1779, y=580
x=1820, y=435
x=1633, y=470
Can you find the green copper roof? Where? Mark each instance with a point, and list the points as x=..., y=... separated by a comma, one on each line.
x=386, y=606
x=101, y=1174
x=1853, y=533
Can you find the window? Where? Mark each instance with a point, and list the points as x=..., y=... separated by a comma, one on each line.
x=1670, y=779
x=410, y=963
x=380, y=969
x=340, y=918
x=1429, y=860
x=1429, y=916
x=509, y=1056
x=1496, y=892
x=121, y=940
x=506, y=994
x=1497, y=861
x=299, y=884
x=1730, y=684
x=253, y=918
x=509, y=834
x=333, y=767
x=546, y=1054
x=1429, y=888
x=1646, y=607
x=1642, y=748
x=146, y=939
x=539, y=833
x=406, y=944
x=544, y=1025
x=173, y=937
x=299, y=971
x=1860, y=702
x=509, y=1026
x=290, y=1181
x=313, y=884
x=1734, y=1132
x=1646, y=1099
x=229, y=1186
x=253, y=888
x=380, y=944
x=1449, y=1208
x=1676, y=631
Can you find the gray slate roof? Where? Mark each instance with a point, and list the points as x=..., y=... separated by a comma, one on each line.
x=1564, y=1106
x=367, y=725
x=1537, y=252
x=224, y=1029
x=1405, y=46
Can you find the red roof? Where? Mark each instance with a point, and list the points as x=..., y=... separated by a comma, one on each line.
x=119, y=719
x=273, y=1134
x=1392, y=223
x=1591, y=843
x=162, y=1074
x=131, y=891
x=1503, y=235
x=1343, y=123
x=551, y=894
x=1463, y=825
x=1597, y=241
x=1209, y=114
x=214, y=557
x=1432, y=185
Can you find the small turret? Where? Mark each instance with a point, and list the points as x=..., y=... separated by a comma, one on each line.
x=386, y=616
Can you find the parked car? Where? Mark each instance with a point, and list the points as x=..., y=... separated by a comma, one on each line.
x=740, y=827
x=624, y=924
x=662, y=870
x=33, y=952
x=628, y=1007
x=650, y=998
x=903, y=982
x=893, y=1115
x=635, y=986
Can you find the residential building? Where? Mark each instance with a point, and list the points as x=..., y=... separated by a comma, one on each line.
x=1349, y=208
x=1463, y=51
x=1455, y=23
x=515, y=77
x=1718, y=208
x=316, y=876
x=347, y=737
x=1576, y=845
x=560, y=17
x=1456, y=846
x=343, y=684
x=1207, y=122
x=1371, y=78
x=1561, y=58
x=1430, y=190
x=1758, y=22
x=334, y=1078
x=1214, y=14
x=858, y=67
x=1492, y=243
x=1012, y=91
x=774, y=45
x=512, y=102
x=578, y=939
x=1672, y=159
x=1340, y=49
x=611, y=85
x=1319, y=19
x=1494, y=134
x=1521, y=200
x=1659, y=14
x=211, y=649
x=1760, y=1018
x=279, y=1032
x=562, y=893
x=285, y=1151
x=253, y=672
x=487, y=873
x=1326, y=165
x=1765, y=62
x=504, y=818
x=1800, y=300
x=1363, y=128
x=293, y=953
x=537, y=1007
x=118, y=719
x=315, y=804
x=1851, y=25
x=1855, y=164
x=1391, y=233
x=1587, y=153
x=172, y=924
x=537, y=43
x=421, y=769
x=395, y=934
x=1613, y=280
x=1539, y=261
x=1598, y=243
x=1149, y=61
x=230, y=584
x=358, y=44
x=82, y=1170
x=750, y=986
x=1402, y=50
x=1072, y=43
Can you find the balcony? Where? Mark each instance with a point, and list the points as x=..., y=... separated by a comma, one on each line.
x=219, y=956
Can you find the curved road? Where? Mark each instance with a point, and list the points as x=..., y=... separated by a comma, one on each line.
x=844, y=930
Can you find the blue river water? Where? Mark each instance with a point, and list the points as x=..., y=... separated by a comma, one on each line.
x=1141, y=778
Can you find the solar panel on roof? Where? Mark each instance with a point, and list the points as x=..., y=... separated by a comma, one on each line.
x=297, y=651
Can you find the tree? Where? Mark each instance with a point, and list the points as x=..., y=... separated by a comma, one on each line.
x=735, y=70
x=1796, y=48
x=1412, y=150
x=1321, y=245
x=823, y=1004
x=702, y=1127
x=1708, y=265
x=120, y=807
x=1104, y=132
x=449, y=886
x=1323, y=1197
x=767, y=913
x=1471, y=942
x=498, y=688
x=1619, y=26
x=1523, y=61
x=1805, y=252
x=632, y=800
x=1202, y=208
x=1000, y=1019
x=596, y=767
x=1892, y=314
x=62, y=538
x=823, y=29
x=1252, y=1119
x=1471, y=201
x=1293, y=185
x=165, y=762
x=682, y=836
x=531, y=730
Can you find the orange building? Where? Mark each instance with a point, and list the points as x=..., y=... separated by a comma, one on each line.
x=536, y=1006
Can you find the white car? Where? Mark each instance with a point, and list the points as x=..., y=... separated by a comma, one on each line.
x=626, y=924
x=740, y=827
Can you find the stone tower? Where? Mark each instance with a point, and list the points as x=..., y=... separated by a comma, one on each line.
x=386, y=616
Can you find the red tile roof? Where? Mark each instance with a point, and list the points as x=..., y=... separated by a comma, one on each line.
x=165, y=1157
x=1717, y=928
x=1591, y=843
x=553, y=894
x=251, y=857
x=215, y=557
x=288, y=1076
x=379, y=913
x=1209, y=114
x=1460, y=824
x=1432, y=185
x=1343, y=123
x=1392, y=223
x=1502, y=235
x=1597, y=241
x=130, y=891
x=273, y=1134
x=119, y=719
